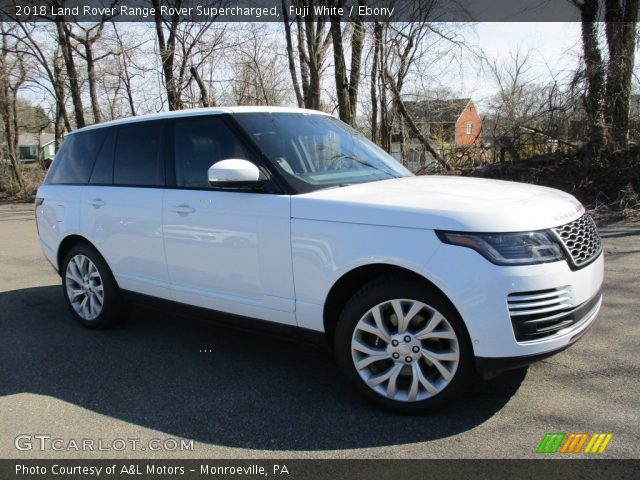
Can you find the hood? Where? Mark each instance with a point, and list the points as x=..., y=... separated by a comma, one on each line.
x=440, y=202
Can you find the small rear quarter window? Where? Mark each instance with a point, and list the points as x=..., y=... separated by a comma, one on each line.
x=74, y=161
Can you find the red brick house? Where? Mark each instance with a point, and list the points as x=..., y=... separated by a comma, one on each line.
x=453, y=123
x=454, y=127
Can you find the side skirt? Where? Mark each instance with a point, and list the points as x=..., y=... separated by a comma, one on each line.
x=236, y=322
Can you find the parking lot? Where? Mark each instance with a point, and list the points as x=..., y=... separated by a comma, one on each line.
x=253, y=396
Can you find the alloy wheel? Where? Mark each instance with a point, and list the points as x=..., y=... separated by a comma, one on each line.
x=405, y=350
x=84, y=287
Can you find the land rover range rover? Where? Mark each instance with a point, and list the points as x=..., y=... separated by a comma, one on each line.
x=292, y=218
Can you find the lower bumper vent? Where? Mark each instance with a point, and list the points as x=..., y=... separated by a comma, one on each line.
x=542, y=313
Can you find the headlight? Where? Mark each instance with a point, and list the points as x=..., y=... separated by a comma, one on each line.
x=522, y=248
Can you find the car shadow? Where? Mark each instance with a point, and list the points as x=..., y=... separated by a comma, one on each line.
x=212, y=384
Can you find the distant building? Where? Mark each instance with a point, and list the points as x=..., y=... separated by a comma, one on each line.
x=454, y=122
x=453, y=125
x=28, y=145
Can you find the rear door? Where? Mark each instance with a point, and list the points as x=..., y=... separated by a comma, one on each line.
x=122, y=206
x=226, y=250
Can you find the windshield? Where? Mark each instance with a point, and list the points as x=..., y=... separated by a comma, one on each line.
x=318, y=151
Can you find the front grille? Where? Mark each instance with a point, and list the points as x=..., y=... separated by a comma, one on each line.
x=581, y=240
x=542, y=313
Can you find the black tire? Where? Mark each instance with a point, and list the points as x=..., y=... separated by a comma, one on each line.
x=389, y=288
x=112, y=308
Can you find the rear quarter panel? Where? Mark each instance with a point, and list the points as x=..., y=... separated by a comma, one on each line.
x=57, y=217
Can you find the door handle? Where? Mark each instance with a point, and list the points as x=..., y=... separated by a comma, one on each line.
x=183, y=209
x=97, y=202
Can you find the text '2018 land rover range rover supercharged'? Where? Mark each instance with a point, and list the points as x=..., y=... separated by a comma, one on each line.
x=292, y=218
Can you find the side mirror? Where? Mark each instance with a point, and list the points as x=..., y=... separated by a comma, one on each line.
x=234, y=173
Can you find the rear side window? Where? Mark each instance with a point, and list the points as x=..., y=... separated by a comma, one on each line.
x=74, y=161
x=137, y=160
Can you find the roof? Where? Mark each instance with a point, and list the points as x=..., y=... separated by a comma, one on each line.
x=191, y=112
x=437, y=111
x=27, y=139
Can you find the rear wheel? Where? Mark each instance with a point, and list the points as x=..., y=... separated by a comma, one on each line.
x=90, y=289
x=402, y=345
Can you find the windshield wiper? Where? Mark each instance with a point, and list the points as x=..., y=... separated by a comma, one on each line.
x=366, y=164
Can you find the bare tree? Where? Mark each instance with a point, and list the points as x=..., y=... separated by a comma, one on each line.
x=313, y=37
x=66, y=47
x=86, y=39
x=595, y=79
x=373, y=90
x=525, y=116
x=38, y=42
x=259, y=72
x=608, y=82
x=184, y=47
x=402, y=49
x=12, y=77
x=126, y=65
x=347, y=88
x=620, y=29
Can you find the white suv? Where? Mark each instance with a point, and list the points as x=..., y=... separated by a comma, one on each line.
x=292, y=218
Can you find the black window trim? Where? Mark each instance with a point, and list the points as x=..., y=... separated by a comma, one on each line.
x=166, y=149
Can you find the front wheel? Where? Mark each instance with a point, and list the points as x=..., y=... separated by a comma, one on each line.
x=402, y=345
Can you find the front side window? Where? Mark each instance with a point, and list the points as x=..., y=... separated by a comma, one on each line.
x=318, y=151
x=137, y=159
x=201, y=142
x=469, y=128
x=74, y=161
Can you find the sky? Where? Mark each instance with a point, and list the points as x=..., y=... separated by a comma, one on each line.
x=554, y=47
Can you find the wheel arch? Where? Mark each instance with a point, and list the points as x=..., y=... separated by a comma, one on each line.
x=69, y=242
x=353, y=280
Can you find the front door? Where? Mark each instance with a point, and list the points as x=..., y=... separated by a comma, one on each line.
x=226, y=250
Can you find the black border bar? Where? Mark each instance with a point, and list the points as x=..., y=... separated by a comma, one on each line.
x=293, y=469
x=272, y=10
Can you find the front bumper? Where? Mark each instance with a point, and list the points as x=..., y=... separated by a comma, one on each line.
x=480, y=292
x=575, y=333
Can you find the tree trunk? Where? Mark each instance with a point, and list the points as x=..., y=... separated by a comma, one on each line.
x=620, y=29
x=384, y=115
x=315, y=60
x=62, y=119
x=127, y=86
x=8, y=111
x=347, y=89
x=204, y=96
x=594, y=69
x=340, y=71
x=72, y=73
x=290, y=57
x=167, y=49
x=91, y=77
x=374, y=86
x=357, y=40
x=303, y=59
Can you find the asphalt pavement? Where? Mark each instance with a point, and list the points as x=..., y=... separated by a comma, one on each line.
x=233, y=394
